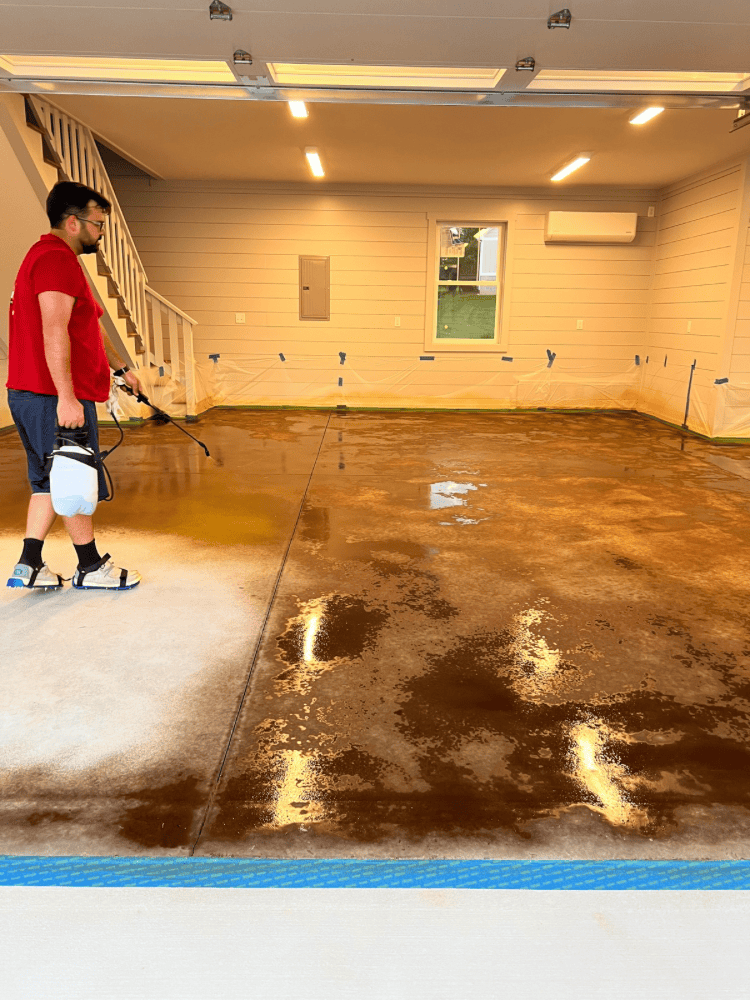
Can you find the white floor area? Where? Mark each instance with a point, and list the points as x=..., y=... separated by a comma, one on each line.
x=99, y=689
x=372, y=944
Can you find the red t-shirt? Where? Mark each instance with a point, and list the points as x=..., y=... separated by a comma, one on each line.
x=51, y=266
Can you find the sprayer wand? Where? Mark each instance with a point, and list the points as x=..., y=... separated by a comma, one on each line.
x=122, y=384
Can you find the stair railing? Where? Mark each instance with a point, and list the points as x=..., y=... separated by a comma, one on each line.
x=165, y=332
x=168, y=344
x=80, y=161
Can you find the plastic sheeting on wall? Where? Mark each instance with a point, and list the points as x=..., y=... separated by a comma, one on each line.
x=736, y=409
x=445, y=381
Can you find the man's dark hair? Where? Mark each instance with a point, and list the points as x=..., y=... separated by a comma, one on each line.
x=71, y=198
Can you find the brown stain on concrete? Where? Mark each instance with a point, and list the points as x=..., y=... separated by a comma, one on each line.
x=48, y=816
x=163, y=817
x=337, y=626
x=439, y=692
x=635, y=758
x=605, y=701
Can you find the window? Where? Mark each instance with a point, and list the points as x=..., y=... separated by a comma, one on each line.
x=467, y=300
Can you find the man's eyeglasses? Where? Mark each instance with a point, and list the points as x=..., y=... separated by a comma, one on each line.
x=93, y=222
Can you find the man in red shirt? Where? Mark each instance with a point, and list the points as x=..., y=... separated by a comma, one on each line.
x=59, y=360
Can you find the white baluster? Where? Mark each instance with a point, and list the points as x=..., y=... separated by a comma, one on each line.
x=62, y=143
x=126, y=278
x=158, y=344
x=77, y=152
x=148, y=331
x=70, y=142
x=117, y=268
x=109, y=244
x=189, y=360
x=143, y=320
x=174, y=345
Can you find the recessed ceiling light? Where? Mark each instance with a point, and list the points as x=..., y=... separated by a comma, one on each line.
x=646, y=116
x=298, y=109
x=574, y=165
x=313, y=158
x=583, y=79
x=316, y=75
x=107, y=68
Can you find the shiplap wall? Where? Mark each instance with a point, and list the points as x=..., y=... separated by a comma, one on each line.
x=740, y=364
x=216, y=251
x=694, y=267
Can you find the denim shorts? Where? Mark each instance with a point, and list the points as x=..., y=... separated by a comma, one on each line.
x=35, y=417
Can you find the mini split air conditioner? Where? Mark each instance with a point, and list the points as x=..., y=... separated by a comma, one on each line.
x=590, y=227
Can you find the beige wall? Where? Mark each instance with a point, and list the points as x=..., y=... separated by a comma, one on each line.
x=733, y=405
x=216, y=250
x=690, y=316
x=740, y=365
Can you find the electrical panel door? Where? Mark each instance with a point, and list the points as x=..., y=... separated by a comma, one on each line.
x=315, y=288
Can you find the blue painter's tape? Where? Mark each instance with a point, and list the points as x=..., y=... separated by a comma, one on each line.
x=282, y=356
x=637, y=359
x=324, y=873
x=214, y=357
x=426, y=357
x=341, y=381
x=506, y=359
x=551, y=355
x=342, y=355
x=161, y=370
x=720, y=381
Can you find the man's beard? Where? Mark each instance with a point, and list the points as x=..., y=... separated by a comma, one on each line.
x=90, y=247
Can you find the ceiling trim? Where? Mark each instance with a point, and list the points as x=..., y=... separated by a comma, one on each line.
x=578, y=192
x=262, y=91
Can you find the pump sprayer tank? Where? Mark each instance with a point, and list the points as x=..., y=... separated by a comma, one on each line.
x=73, y=478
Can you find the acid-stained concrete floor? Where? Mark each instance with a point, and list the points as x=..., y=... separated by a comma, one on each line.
x=390, y=635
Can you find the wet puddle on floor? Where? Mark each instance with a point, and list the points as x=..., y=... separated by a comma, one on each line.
x=451, y=494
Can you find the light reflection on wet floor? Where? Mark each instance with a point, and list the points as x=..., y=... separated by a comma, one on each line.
x=492, y=635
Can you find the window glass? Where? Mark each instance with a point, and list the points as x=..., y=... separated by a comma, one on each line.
x=466, y=312
x=467, y=289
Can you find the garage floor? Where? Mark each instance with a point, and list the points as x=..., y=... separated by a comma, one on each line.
x=390, y=635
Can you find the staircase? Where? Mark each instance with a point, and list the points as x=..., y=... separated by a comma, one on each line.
x=153, y=335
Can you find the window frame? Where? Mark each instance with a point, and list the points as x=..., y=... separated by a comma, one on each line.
x=500, y=341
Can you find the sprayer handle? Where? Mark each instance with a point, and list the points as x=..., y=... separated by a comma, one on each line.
x=139, y=395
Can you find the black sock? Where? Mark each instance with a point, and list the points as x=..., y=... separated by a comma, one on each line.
x=32, y=553
x=87, y=554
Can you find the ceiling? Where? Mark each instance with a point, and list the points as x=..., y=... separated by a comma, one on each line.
x=248, y=134
x=406, y=144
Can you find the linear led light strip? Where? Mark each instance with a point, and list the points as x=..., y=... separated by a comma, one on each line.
x=574, y=165
x=418, y=77
x=313, y=158
x=646, y=116
x=99, y=68
x=618, y=80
